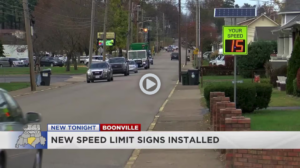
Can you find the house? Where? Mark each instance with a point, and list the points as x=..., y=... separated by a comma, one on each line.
x=12, y=36
x=260, y=21
x=264, y=34
x=287, y=33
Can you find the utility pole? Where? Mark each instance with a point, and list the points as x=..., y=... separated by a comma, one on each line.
x=128, y=29
x=157, y=34
x=142, y=38
x=197, y=20
x=92, y=33
x=179, y=36
x=131, y=25
x=186, y=48
x=164, y=29
x=29, y=45
x=104, y=30
x=137, y=24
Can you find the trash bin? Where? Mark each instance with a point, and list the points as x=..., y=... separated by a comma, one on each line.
x=46, y=76
x=184, y=78
x=193, y=76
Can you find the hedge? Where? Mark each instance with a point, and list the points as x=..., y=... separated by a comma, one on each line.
x=250, y=96
x=296, y=90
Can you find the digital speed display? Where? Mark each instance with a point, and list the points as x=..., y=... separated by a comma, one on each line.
x=235, y=40
x=234, y=46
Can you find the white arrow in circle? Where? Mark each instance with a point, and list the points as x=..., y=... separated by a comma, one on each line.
x=149, y=84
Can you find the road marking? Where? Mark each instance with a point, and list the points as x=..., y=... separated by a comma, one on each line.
x=136, y=152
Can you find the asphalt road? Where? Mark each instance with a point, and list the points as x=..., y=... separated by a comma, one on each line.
x=120, y=101
x=26, y=78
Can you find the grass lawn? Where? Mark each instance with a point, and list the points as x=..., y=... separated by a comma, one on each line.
x=281, y=99
x=14, y=85
x=271, y=120
x=55, y=70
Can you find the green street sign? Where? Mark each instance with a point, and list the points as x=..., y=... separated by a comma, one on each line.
x=109, y=42
x=235, y=40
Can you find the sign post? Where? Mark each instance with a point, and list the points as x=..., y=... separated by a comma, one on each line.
x=235, y=43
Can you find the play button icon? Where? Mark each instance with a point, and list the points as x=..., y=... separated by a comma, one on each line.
x=150, y=84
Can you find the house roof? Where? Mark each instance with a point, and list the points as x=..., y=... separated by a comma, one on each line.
x=264, y=33
x=291, y=6
x=246, y=22
x=293, y=22
x=251, y=21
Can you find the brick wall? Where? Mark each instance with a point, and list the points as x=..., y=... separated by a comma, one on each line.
x=225, y=117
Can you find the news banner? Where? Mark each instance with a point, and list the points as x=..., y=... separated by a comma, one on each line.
x=130, y=136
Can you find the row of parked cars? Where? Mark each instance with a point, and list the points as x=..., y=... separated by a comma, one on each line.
x=24, y=62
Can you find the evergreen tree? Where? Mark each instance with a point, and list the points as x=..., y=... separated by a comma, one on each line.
x=293, y=66
x=228, y=3
x=1, y=49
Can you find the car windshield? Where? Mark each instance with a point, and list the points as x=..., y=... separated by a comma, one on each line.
x=23, y=58
x=14, y=59
x=137, y=55
x=98, y=66
x=174, y=54
x=116, y=60
x=131, y=63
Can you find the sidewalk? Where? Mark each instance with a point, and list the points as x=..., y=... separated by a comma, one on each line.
x=181, y=113
x=27, y=91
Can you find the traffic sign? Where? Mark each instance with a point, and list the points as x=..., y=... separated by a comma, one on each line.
x=109, y=35
x=196, y=51
x=235, y=40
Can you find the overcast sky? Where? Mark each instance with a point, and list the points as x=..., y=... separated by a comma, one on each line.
x=239, y=2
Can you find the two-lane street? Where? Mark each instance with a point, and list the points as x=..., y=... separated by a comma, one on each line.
x=119, y=101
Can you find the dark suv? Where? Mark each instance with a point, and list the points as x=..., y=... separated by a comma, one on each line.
x=119, y=65
x=175, y=56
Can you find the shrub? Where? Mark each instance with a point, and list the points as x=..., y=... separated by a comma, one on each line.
x=268, y=68
x=250, y=96
x=293, y=66
x=298, y=78
x=216, y=70
x=265, y=80
x=263, y=95
x=296, y=90
x=259, y=53
x=1, y=49
x=229, y=61
x=282, y=71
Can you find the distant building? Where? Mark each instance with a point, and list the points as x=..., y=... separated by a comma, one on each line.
x=260, y=21
x=12, y=37
x=288, y=31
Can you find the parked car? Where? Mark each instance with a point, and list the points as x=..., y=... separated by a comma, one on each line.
x=51, y=61
x=26, y=61
x=10, y=62
x=99, y=71
x=11, y=116
x=119, y=65
x=95, y=58
x=175, y=56
x=151, y=59
x=206, y=55
x=218, y=60
x=170, y=49
x=133, y=66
